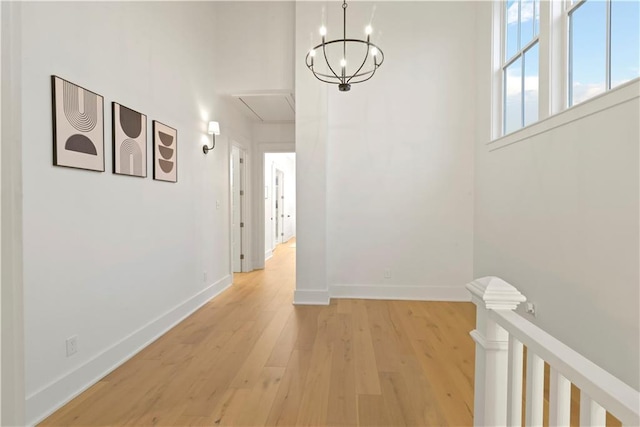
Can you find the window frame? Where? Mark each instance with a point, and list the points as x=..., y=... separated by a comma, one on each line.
x=520, y=53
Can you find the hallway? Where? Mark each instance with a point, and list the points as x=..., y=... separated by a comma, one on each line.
x=249, y=357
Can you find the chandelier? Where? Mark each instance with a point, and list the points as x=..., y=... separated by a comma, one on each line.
x=370, y=55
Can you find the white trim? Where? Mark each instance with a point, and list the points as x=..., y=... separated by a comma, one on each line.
x=558, y=61
x=400, y=292
x=51, y=397
x=616, y=96
x=494, y=293
x=268, y=255
x=1, y=103
x=308, y=297
x=497, y=53
x=488, y=345
x=545, y=56
x=12, y=322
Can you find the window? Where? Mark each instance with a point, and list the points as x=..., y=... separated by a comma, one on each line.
x=604, y=46
x=550, y=55
x=520, y=66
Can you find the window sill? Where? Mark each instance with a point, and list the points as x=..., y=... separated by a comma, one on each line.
x=616, y=96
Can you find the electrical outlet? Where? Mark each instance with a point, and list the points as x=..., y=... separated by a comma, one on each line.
x=72, y=345
x=217, y=204
x=531, y=309
x=387, y=273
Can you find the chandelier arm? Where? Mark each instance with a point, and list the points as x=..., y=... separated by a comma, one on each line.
x=371, y=73
x=381, y=58
x=324, y=52
x=330, y=76
x=326, y=81
x=366, y=55
x=322, y=75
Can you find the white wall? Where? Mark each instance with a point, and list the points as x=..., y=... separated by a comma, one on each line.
x=284, y=162
x=112, y=259
x=557, y=215
x=399, y=155
x=258, y=45
x=311, y=166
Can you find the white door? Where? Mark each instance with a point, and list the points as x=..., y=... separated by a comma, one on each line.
x=279, y=206
x=236, y=208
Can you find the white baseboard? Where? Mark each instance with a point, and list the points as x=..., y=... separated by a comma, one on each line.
x=53, y=396
x=268, y=254
x=390, y=292
x=304, y=297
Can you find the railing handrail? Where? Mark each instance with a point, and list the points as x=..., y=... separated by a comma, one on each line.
x=617, y=397
x=500, y=335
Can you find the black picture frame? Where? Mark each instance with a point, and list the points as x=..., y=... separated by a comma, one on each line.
x=81, y=128
x=129, y=138
x=165, y=152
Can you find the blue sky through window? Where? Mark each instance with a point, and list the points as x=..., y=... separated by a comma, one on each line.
x=588, y=44
x=625, y=41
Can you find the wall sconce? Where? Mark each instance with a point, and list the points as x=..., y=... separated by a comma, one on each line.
x=213, y=130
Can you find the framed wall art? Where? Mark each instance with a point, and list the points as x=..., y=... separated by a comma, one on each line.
x=78, y=126
x=129, y=141
x=165, y=152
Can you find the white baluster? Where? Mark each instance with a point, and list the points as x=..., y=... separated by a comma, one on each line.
x=514, y=408
x=535, y=389
x=591, y=414
x=559, y=400
x=490, y=401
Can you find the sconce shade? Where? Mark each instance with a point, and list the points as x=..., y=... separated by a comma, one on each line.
x=214, y=128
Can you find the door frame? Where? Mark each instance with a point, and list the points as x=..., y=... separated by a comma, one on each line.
x=258, y=255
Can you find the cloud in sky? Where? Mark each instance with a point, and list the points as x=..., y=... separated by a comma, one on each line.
x=584, y=91
x=527, y=13
x=514, y=83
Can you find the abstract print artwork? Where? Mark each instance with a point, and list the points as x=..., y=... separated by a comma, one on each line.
x=129, y=141
x=165, y=153
x=78, y=126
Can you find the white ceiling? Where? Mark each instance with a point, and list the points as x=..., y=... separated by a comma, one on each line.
x=272, y=107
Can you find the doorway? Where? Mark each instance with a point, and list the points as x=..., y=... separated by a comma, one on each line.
x=280, y=200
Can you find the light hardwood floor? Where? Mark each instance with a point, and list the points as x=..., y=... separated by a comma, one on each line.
x=251, y=358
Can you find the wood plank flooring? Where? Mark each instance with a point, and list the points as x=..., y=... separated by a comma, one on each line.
x=251, y=358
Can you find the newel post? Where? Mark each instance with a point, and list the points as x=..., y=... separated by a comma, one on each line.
x=492, y=349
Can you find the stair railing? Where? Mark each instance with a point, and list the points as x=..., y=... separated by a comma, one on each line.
x=500, y=336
